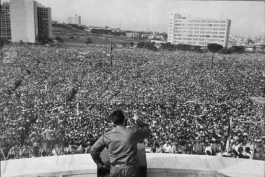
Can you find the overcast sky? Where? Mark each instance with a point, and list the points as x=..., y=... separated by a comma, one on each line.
x=247, y=17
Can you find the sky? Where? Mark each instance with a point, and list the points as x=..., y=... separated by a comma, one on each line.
x=247, y=17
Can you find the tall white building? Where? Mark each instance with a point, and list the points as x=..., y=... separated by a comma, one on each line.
x=200, y=32
x=24, y=21
x=76, y=20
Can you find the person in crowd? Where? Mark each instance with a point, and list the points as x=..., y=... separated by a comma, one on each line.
x=173, y=149
x=214, y=147
x=122, y=145
x=248, y=153
x=189, y=148
x=36, y=150
x=13, y=152
x=208, y=149
x=198, y=147
x=159, y=148
x=240, y=153
x=167, y=147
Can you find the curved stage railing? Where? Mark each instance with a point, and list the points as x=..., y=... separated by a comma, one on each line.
x=158, y=165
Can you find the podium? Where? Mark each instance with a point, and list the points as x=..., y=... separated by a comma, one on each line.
x=141, y=156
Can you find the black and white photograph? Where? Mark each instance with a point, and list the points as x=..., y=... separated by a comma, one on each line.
x=132, y=88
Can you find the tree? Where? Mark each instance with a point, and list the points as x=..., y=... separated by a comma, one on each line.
x=237, y=49
x=131, y=44
x=140, y=45
x=262, y=47
x=214, y=48
x=44, y=40
x=72, y=37
x=225, y=50
x=88, y=41
x=59, y=39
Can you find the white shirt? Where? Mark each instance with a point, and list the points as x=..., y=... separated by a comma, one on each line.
x=208, y=148
x=166, y=147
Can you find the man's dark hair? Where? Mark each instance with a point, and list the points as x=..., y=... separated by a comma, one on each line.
x=117, y=117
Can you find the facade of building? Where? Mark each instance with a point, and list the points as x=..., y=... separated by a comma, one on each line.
x=76, y=20
x=5, y=25
x=44, y=21
x=24, y=22
x=198, y=32
x=133, y=34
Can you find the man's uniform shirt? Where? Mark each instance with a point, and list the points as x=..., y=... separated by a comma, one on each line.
x=121, y=143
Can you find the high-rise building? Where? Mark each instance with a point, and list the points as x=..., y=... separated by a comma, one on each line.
x=25, y=20
x=194, y=31
x=44, y=21
x=5, y=26
x=76, y=20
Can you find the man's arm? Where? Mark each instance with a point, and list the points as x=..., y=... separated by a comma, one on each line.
x=143, y=131
x=96, y=149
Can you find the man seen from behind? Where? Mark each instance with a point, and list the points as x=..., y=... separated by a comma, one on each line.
x=121, y=143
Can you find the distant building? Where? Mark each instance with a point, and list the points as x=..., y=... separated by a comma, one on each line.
x=133, y=34
x=200, y=32
x=5, y=25
x=76, y=20
x=44, y=21
x=24, y=21
x=115, y=29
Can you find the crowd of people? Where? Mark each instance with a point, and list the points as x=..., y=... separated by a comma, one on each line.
x=57, y=100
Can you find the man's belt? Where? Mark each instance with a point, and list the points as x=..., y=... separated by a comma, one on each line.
x=122, y=164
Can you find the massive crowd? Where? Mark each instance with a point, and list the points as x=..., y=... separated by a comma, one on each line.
x=56, y=100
